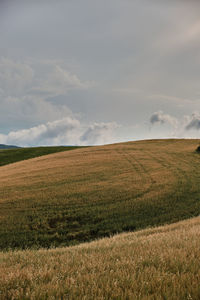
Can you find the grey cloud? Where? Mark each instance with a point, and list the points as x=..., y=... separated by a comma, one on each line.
x=56, y=47
x=161, y=118
x=28, y=111
x=15, y=77
x=181, y=126
x=23, y=78
x=25, y=87
x=193, y=122
x=58, y=82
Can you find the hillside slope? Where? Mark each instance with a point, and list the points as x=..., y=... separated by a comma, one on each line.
x=76, y=196
x=160, y=263
x=10, y=155
x=2, y=146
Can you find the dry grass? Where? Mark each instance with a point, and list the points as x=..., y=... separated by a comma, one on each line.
x=160, y=263
x=75, y=196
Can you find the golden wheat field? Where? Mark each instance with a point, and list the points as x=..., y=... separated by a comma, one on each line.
x=160, y=263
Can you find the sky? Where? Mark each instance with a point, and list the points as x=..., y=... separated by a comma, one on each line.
x=93, y=72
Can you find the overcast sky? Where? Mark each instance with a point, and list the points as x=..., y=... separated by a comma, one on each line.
x=98, y=71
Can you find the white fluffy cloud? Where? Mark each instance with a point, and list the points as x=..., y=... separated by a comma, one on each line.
x=67, y=131
x=98, y=133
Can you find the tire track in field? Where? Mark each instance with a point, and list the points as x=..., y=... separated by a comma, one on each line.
x=146, y=176
x=192, y=169
x=183, y=161
x=183, y=179
x=186, y=188
x=180, y=167
x=140, y=169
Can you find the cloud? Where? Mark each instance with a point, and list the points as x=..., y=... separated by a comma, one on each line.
x=57, y=81
x=186, y=34
x=15, y=77
x=41, y=78
x=141, y=49
x=28, y=111
x=181, y=127
x=26, y=87
x=67, y=131
x=50, y=133
x=193, y=122
x=161, y=118
x=99, y=133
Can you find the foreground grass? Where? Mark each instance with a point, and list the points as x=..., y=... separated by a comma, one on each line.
x=76, y=196
x=8, y=156
x=161, y=263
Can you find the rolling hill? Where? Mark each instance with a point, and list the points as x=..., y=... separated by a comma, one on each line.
x=16, y=154
x=65, y=198
x=161, y=263
x=2, y=146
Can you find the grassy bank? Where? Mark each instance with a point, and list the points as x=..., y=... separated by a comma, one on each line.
x=160, y=263
x=76, y=196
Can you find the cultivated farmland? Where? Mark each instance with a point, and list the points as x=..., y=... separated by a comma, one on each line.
x=75, y=196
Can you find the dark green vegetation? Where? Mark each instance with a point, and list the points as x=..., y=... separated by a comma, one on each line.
x=76, y=196
x=18, y=154
x=198, y=149
x=2, y=146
